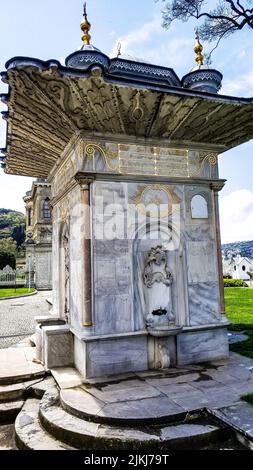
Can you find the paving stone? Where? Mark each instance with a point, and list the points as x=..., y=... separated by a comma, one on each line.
x=123, y=385
x=67, y=377
x=191, y=402
x=141, y=410
x=205, y=385
x=109, y=378
x=240, y=416
x=121, y=395
x=243, y=387
x=176, y=389
x=218, y=400
x=222, y=377
x=17, y=317
x=184, y=378
x=186, y=430
x=80, y=402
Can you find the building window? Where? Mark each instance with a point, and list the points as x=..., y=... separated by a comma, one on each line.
x=46, y=209
x=244, y=268
x=234, y=268
x=29, y=217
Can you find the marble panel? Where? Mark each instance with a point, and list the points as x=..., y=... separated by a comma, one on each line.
x=203, y=303
x=113, y=314
x=116, y=356
x=201, y=260
x=58, y=346
x=194, y=347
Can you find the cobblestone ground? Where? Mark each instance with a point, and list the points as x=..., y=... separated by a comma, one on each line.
x=17, y=317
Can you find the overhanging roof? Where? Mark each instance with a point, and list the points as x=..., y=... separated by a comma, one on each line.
x=47, y=103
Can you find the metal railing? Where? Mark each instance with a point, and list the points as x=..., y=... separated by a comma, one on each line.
x=12, y=277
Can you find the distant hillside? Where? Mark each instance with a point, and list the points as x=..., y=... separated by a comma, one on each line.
x=12, y=225
x=243, y=248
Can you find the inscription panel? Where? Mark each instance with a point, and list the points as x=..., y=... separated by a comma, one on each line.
x=132, y=159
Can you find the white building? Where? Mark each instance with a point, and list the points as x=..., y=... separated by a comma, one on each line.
x=238, y=267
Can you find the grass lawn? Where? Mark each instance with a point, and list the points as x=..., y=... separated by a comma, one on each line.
x=239, y=305
x=239, y=308
x=12, y=292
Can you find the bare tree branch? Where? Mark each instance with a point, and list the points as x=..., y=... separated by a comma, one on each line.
x=224, y=19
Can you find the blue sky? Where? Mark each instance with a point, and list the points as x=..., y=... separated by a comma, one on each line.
x=50, y=29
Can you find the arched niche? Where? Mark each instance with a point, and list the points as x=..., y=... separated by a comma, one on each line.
x=199, y=207
x=171, y=291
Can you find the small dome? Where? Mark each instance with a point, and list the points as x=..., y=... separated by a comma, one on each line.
x=88, y=56
x=202, y=78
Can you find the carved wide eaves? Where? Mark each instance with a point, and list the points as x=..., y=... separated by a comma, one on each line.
x=45, y=109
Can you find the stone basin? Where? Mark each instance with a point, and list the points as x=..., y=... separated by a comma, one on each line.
x=165, y=330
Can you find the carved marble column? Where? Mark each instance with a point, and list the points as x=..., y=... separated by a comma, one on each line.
x=216, y=187
x=85, y=183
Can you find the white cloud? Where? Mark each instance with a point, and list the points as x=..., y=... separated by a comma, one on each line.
x=242, y=85
x=236, y=214
x=150, y=42
x=136, y=37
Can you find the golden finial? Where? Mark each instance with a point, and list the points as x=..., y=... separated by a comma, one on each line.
x=198, y=50
x=85, y=27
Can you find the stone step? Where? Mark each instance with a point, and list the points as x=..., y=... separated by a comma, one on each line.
x=11, y=392
x=17, y=365
x=30, y=388
x=239, y=417
x=150, y=410
x=84, y=434
x=29, y=433
x=16, y=379
x=9, y=410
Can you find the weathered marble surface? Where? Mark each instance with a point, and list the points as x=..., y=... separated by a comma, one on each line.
x=201, y=257
x=116, y=356
x=43, y=267
x=202, y=346
x=58, y=346
x=204, y=303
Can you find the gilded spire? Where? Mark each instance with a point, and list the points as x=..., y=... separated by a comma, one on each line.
x=85, y=27
x=198, y=50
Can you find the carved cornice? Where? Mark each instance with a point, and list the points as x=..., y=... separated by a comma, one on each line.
x=83, y=180
x=218, y=185
x=47, y=106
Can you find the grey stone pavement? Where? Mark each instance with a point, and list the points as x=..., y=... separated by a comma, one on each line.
x=17, y=317
x=152, y=393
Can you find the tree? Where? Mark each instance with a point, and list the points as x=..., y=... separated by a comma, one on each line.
x=7, y=259
x=220, y=21
x=8, y=245
x=18, y=234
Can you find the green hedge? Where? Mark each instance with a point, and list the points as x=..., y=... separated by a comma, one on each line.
x=235, y=283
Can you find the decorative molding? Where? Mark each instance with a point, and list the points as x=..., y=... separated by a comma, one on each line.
x=47, y=106
x=156, y=257
x=141, y=204
x=211, y=158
